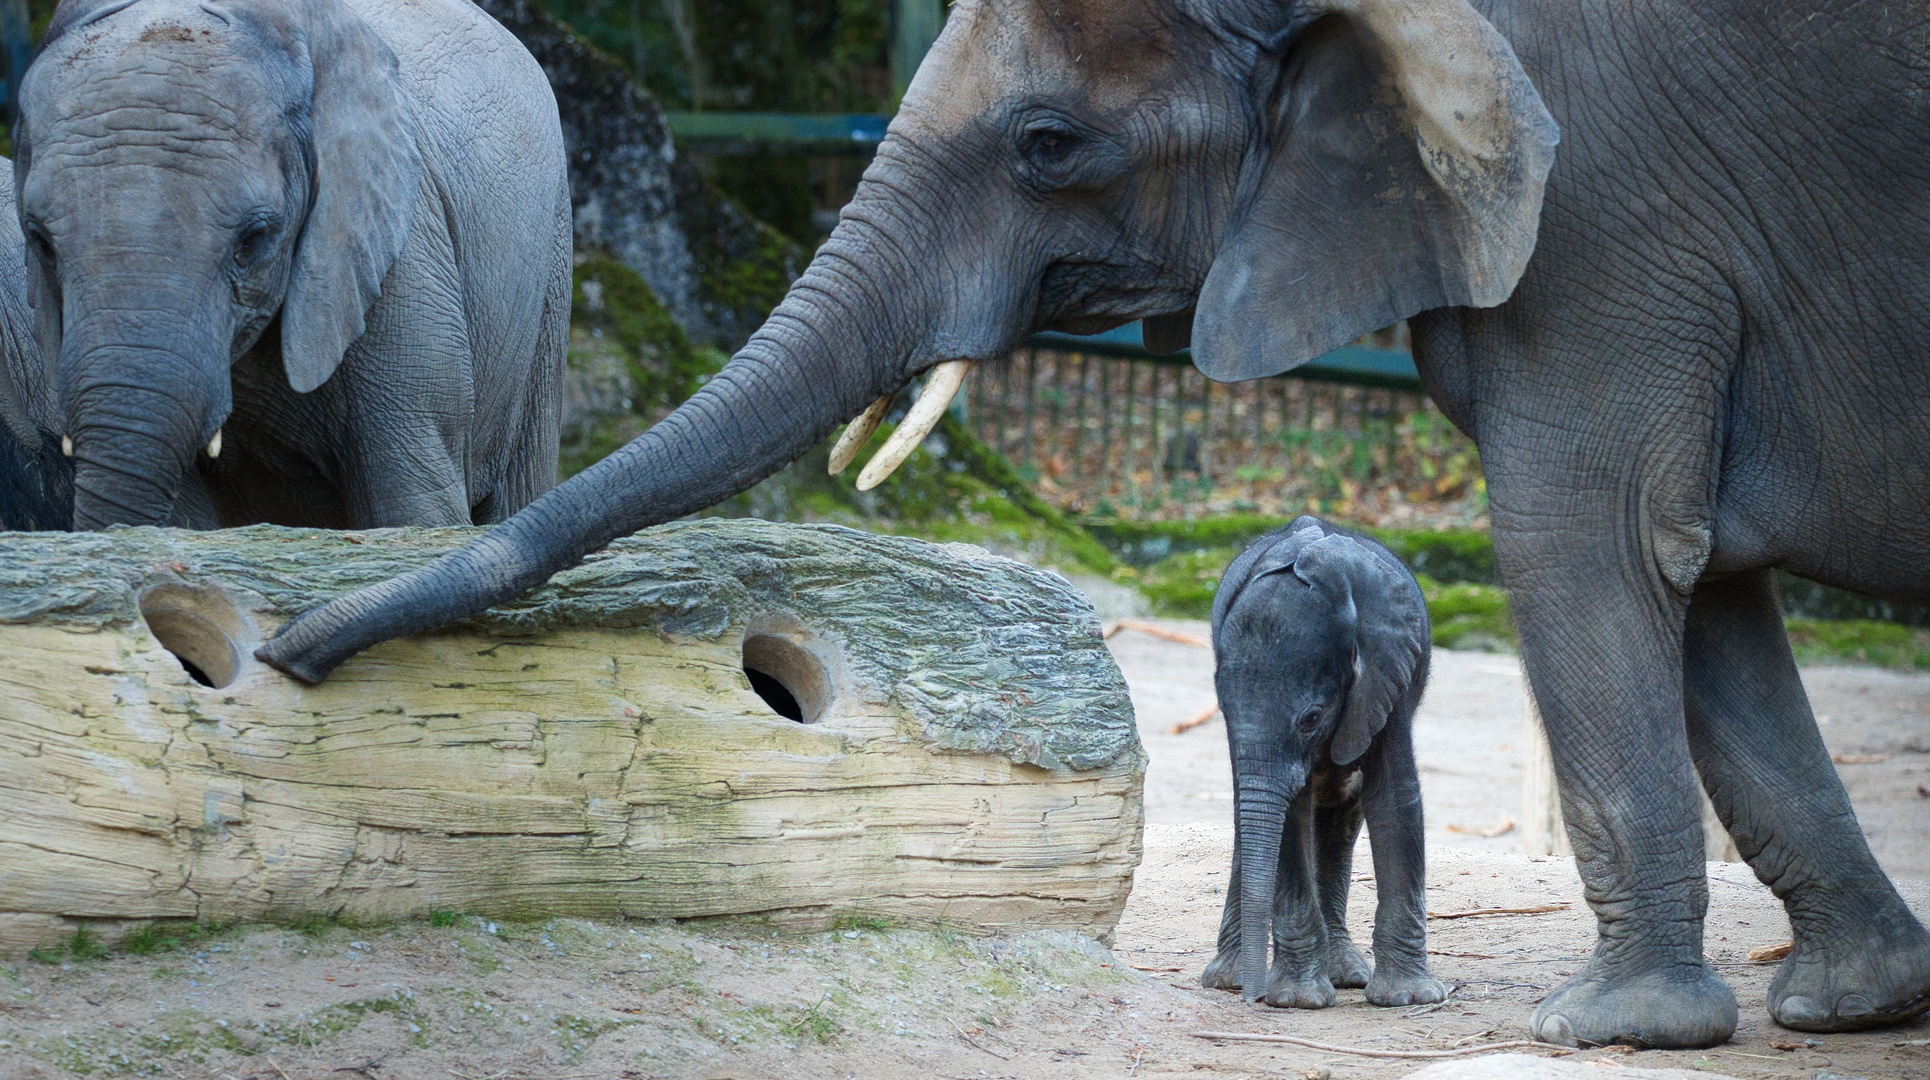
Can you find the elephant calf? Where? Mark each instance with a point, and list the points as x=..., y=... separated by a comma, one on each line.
x=1322, y=645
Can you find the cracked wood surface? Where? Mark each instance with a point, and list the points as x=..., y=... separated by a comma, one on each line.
x=594, y=749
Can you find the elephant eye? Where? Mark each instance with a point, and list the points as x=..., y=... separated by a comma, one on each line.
x=1050, y=146
x=1308, y=720
x=253, y=240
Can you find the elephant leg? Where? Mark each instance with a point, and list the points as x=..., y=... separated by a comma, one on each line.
x=1602, y=636
x=1298, y=979
x=1861, y=959
x=1335, y=830
x=1223, y=971
x=1391, y=800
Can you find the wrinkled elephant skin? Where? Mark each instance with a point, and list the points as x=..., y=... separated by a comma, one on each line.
x=1688, y=346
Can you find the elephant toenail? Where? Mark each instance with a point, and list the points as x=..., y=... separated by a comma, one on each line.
x=1798, y=1009
x=1555, y=1029
x=1853, y=1005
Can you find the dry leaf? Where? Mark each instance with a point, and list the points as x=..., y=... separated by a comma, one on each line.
x=1763, y=954
x=1858, y=759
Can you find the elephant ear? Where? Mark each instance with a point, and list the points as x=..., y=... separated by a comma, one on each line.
x=366, y=170
x=1401, y=169
x=1390, y=636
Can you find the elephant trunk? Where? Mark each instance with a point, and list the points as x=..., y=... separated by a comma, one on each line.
x=1265, y=791
x=136, y=420
x=836, y=342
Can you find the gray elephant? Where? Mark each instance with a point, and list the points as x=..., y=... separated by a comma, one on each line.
x=295, y=261
x=1320, y=643
x=1710, y=368
x=36, y=481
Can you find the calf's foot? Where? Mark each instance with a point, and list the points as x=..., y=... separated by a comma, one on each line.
x=1868, y=974
x=1346, y=968
x=1223, y=973
x=1300, y=990
x=1390, y=987
x=1674, y=1006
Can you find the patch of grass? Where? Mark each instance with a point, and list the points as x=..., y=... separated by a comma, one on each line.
x=1860, y=641
x=444, y=918
x=85, y=946
x=1182, y=586
x=45, y=956
x=816, y=1022
x=850, y=921
x=161, y=937
x=1469, y=616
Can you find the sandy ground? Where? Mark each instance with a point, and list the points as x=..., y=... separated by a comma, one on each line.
x=735, y=999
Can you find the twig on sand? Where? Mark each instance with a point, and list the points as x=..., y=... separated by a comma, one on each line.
x=973, y=1044
x=1460, y=955
x=1763, y=954
x=1235, y=1036
x=1507, y=826
x=1202, y=717
x=1149, y=967
x=1538, y=909
x=1915, y=1042
x=1160, y=632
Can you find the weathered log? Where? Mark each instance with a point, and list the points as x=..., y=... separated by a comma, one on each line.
x=966, y=754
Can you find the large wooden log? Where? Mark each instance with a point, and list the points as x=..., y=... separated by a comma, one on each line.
x=966, y=752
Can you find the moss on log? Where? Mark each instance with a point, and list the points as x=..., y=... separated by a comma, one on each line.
x=596, y=748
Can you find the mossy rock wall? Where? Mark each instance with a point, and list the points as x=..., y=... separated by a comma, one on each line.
x=967, y=755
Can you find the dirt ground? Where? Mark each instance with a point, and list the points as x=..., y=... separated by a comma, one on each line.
x=735, y=999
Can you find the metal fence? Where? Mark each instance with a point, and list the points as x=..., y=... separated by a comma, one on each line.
x=1153, y=438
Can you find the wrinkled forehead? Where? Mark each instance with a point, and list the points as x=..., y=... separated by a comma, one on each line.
x=151, y=51
x=1106, y=54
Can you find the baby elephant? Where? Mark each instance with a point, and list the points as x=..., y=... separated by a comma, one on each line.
x=1322, y=645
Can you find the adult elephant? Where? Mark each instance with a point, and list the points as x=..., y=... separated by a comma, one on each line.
x=298, y=261
x=1711, y=367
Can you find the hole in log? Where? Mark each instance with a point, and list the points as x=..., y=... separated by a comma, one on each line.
x=200, y=627
x=791, y=681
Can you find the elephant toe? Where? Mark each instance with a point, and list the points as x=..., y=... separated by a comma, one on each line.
x=1223, y=973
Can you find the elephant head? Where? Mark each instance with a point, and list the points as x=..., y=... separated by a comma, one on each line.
x=189, y=175
x=1319, y=639
x=1272, y=177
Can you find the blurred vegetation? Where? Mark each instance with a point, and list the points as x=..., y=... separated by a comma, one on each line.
x=803, y=56
x=1860, y=641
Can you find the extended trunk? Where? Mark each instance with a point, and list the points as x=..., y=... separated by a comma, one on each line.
x=834, y=345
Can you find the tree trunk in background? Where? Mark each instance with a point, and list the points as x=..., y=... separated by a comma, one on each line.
x=718, y=270
x=962, y=748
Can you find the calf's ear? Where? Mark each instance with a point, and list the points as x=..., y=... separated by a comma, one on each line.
x=1390, y=637
x=1399, y=167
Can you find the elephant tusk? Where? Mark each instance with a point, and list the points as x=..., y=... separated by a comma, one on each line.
x=67, y=446
x=940, y=388
x=214, y=445
x=857, y=433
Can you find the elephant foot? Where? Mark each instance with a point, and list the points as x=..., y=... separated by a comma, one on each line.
x=1405, y=988
x=1290, y=990
x=1346, y=968
x=1871, y=974
x=1223, y=973
x=1668, y=1008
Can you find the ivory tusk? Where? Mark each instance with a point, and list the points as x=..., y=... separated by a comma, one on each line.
x=940, y=387
x=214, y=445
x=857, y=433
x=67, y=445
